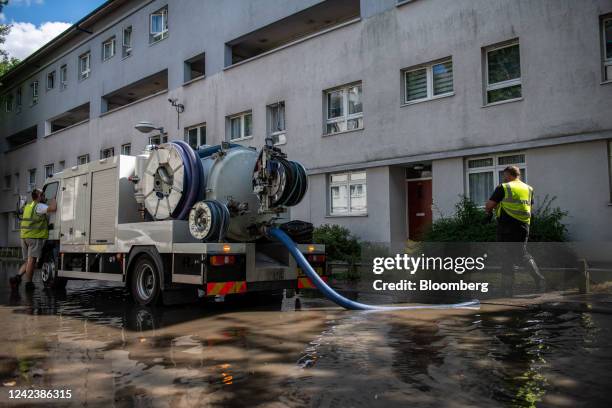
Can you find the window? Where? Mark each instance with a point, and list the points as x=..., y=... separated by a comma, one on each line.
x=158, y=25
x=344, y=109
x=484, y=173
x=62, y=165
x=241, y=126
x=18, y=98
x=16, y=222
x=50, y=190
x=108, y=49
x=84, y=159
x=126, y=149
x=16, y=185
x=84, y=66
x=126, y=44
x=34, y=92
x=195, y=67
x=31, y=179
x=48, y=170
x=606, y=28
x=51, y=80
x=8, y=102
x=106, y=153
x=158, y=139
x=503, y=73
x=63, y=77
x=195, y=136
x=277, y=124
x=347, y=193
x=7, y=182
x=428, y=81
x=610, y=166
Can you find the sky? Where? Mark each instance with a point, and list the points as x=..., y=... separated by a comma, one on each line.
x=36, y=22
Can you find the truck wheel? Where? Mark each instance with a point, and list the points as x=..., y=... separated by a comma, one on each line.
x=145, y=282
x=48, y=275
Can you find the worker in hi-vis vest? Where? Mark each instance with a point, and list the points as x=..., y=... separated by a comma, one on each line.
x=34, y=232
x=512, y=201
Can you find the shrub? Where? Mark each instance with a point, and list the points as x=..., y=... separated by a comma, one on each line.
x=467, y=225
x=340, y=244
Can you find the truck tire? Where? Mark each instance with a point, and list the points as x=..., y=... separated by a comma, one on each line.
x=145, y=282
x=49, y=278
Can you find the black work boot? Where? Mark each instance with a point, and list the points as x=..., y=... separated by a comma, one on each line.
x=15, y=281
x=29, y=286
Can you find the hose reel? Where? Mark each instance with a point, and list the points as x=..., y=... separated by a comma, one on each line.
x=209, y=220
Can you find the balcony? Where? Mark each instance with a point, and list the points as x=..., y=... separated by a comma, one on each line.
x=302, y=24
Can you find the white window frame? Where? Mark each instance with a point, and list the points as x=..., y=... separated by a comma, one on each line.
x=242, y=117
x=279, y=136
x=34, y=88
x=126, y=149
x=348, y=184
x=502, y=84
x=430, y=85
x=47, y=172
x=198, y=128
x=126, y=46
x=112, y=42
x=345, y=104
x=496, y=168
x=31, y=180
x=158, y=139
x=18, y=98
x=84, y=73
x=107, y=153
x=158, y=36
x=83, y=159
x=63, y=77
x=607, y=62
x=50, y=75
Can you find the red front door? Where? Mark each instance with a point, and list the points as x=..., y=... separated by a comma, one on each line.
x=419, y=207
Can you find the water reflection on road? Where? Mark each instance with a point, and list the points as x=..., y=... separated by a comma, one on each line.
x=109, y=352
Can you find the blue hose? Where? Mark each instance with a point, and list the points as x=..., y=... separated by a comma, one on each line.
x=339, y=299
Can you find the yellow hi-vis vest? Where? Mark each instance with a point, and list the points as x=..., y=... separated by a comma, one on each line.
x=34, y=225
x=517, y=201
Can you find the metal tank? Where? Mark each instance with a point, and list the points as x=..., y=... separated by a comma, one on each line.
x=225, y=192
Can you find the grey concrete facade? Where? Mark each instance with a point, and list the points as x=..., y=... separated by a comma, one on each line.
x=562, y=123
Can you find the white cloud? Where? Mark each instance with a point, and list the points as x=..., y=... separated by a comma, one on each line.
x=25, y=38
x=25, y=2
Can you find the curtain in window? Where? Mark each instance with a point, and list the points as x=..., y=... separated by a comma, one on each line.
x=248, y=125
x=358, y=198
x=278, y=118
x=354, y=100
x=157, y=23
x=235, y=128
x=481, y=187
x=334, y=104
x=339, y=199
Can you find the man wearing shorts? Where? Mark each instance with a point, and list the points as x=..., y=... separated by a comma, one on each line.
x=34, y=232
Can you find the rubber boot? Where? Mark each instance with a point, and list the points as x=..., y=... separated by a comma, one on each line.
x=15, y=281
x=538, y=278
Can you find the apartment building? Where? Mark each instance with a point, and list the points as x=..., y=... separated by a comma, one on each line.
x=396, y=108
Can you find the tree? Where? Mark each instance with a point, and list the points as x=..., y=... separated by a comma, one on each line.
x=6, y=61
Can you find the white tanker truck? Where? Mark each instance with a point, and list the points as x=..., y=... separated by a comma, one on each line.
x=173, y=218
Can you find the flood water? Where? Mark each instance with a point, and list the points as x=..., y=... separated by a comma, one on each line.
x=296, y=352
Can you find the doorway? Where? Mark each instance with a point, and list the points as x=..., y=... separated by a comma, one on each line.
x=419, y=200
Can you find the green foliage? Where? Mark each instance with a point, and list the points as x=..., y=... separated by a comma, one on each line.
x=340, y=244
x=546, y=222
x=6, y=61
x=467, y=224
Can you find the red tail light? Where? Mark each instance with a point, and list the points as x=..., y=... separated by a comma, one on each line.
x=220, y=260
x=315, y=258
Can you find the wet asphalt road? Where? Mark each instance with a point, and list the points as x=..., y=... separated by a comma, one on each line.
x=109, y=352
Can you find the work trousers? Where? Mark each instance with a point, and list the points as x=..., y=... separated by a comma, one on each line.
x=515, y=253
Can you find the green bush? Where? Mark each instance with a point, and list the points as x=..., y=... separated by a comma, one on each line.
x=340, y=244
x=466, y=225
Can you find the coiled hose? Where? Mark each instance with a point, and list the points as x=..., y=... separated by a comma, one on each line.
x=341, y=300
